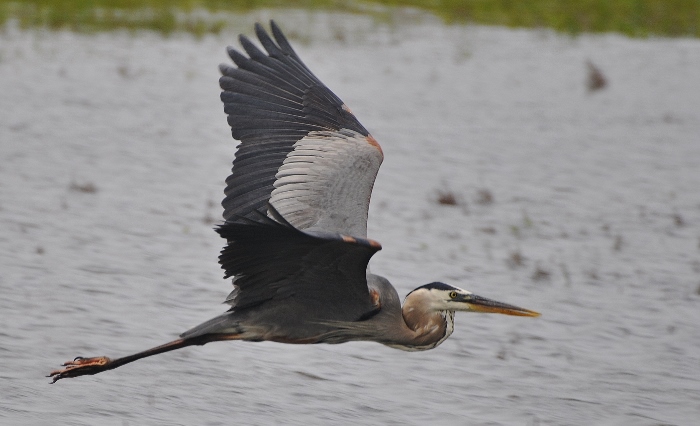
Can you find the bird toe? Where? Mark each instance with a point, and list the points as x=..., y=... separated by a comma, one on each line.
x=79, y=367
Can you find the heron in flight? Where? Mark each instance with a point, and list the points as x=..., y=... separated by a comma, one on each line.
x=295, y=224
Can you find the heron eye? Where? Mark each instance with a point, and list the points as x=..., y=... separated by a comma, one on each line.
x=453, y=294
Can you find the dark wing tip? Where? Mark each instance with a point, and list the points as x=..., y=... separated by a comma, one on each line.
x=281, y=39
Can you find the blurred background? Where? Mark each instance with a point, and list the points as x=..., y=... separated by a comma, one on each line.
x=630, y=17
x=543, y=153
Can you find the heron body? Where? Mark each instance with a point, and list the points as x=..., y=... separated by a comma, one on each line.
x=295, y=223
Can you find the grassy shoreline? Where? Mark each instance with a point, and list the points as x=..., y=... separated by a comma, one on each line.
x=636, y=18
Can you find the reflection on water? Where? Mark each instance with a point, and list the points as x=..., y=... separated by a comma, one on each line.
x=594, y=221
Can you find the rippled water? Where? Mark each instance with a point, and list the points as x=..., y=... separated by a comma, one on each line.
x=113, y=153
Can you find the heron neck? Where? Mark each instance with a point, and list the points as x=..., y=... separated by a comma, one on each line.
x=429, y=328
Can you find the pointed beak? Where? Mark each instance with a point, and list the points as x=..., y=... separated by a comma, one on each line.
x=482, y=304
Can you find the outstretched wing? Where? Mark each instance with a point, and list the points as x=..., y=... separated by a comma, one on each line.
x=324, y=273
x=301, y=150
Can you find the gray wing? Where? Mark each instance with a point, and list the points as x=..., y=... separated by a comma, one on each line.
x=301, y=150
x=324, y=273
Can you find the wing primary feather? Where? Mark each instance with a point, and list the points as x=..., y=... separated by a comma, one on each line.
x=267, y=42
x=252, y=50
x=282, y=41
x=273, y=101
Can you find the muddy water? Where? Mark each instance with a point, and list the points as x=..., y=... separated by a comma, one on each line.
x=113, y=152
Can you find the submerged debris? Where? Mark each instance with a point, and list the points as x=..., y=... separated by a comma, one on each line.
x=447, y=198
x=540, y=274
x=678, y=220
x=515, y=260
x=617, y=246
x=488, y=230
x=596, y=79
x=484, y=197
x=592, y=274
x=88, y=188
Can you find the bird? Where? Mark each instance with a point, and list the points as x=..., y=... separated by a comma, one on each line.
x=295, y=223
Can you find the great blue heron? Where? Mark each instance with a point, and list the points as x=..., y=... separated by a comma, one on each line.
x=295, y=216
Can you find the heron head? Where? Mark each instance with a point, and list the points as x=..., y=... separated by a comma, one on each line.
x=444, y=297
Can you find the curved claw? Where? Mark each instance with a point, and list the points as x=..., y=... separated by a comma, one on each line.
x=80, y=367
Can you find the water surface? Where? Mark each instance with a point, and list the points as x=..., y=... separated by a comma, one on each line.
x=114, y=149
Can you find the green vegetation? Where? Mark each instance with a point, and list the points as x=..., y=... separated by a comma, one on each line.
x=631, y=17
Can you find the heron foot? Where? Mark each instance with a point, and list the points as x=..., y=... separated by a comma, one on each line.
x=80, y=367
